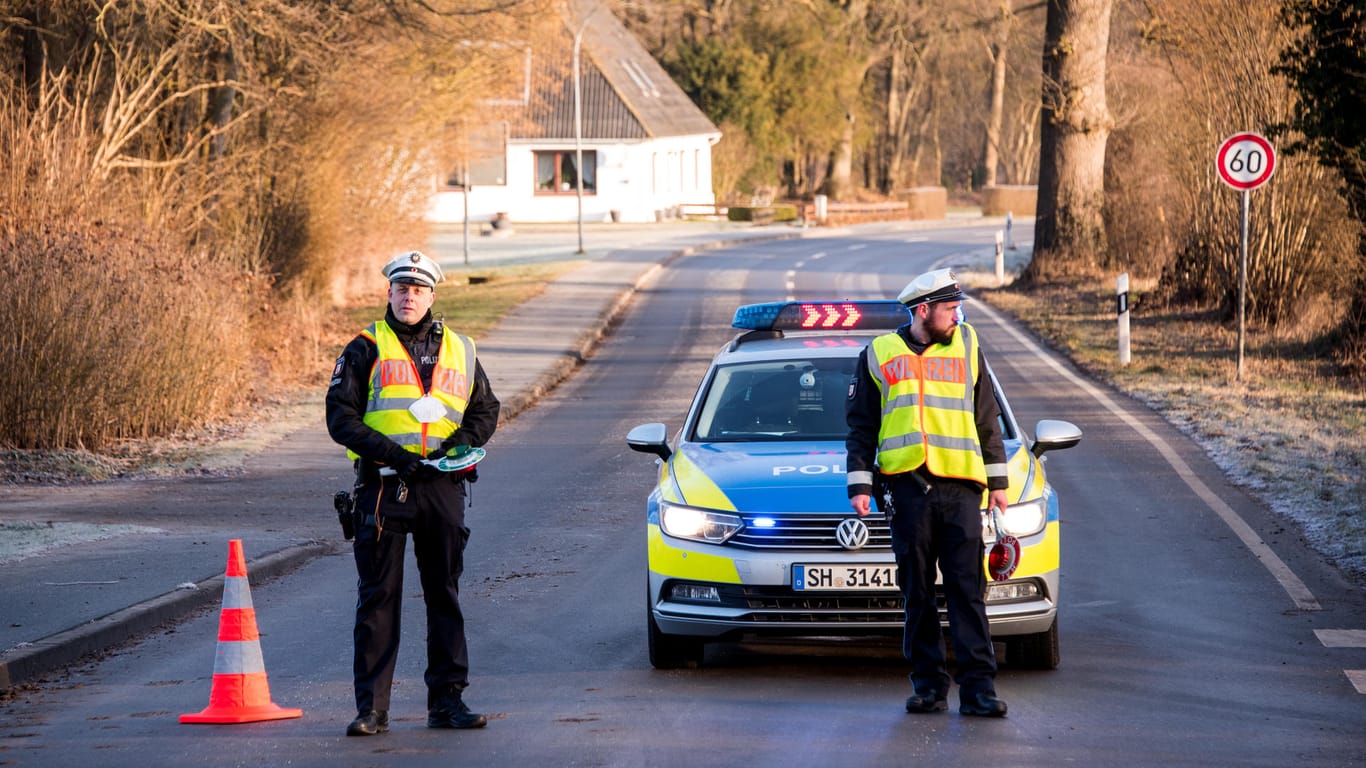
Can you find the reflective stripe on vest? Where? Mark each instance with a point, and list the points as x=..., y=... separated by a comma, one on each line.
x=928, y=414
x=395, y=385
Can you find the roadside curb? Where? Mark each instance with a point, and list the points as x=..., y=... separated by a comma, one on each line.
x=28, y=663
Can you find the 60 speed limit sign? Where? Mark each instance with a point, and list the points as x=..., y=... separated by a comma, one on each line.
x=1245, y=161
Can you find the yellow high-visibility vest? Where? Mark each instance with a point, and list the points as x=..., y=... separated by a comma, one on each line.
x=395, y=385
x=928, y=413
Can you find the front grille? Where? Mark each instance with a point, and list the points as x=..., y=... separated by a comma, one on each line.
x=807, y=532
x=780, y=605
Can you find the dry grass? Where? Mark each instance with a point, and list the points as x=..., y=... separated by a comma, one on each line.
x=1289, y=430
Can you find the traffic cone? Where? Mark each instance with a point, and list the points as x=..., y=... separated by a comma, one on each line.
x=240, y=692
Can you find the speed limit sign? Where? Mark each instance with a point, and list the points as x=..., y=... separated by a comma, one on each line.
x=1245, y=161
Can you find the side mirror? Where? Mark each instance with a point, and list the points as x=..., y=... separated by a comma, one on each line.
x=1054, y=435
x=650, y=438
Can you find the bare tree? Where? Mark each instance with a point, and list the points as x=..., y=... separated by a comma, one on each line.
x=997, y=51
x=1070, y=229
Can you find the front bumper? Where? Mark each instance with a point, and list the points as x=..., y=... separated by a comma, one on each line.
x=755, y=595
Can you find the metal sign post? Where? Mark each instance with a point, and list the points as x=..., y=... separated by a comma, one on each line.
x=1245, y=161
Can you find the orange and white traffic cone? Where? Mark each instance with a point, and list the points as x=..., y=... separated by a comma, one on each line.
x=240, y=692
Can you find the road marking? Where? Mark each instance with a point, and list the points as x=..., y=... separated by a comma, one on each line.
x=1294, y=587
x=1358, y=678
x=916, y=240
x=858, y=246
x=1341, y=638
x=820, y=255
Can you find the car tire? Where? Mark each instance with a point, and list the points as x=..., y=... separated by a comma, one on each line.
x=1037, y=651
x=672, y=651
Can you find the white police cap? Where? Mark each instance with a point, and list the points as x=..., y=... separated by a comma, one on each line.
x=931, y=288
x=413, y=267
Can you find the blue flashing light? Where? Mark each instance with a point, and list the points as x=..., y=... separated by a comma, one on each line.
x=757, y=317
x=764, y=522
x=821, y=316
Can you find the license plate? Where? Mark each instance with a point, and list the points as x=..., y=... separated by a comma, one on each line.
x=831, y=577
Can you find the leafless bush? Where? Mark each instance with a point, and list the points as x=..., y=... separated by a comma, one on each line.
x=180, y=183
x=1221, y=53
x=114, y=332
x=1141, y=194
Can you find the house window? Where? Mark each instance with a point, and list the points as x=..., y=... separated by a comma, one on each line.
x=483, y=172
x=482, y=158
x=555, y=173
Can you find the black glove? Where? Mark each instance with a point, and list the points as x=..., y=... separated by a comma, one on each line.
x=414, y=470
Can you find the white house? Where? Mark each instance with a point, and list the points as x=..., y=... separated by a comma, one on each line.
x=646, y=147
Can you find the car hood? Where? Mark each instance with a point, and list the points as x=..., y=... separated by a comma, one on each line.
x=793, y=477
x=782, y=477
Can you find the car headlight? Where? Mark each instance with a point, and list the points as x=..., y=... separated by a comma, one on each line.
x=697, y=524
x=1024, y=519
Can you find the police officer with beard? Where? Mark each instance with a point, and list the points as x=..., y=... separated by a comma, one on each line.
x=924, y=422
x=405, y=389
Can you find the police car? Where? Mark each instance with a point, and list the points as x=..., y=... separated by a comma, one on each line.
x=749, y=529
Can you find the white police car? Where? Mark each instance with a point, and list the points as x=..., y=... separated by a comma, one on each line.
x=749, y=528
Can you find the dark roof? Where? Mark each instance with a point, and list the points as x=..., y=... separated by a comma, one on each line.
x=626, y=94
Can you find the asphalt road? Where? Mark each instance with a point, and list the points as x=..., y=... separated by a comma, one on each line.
x=1180, y=646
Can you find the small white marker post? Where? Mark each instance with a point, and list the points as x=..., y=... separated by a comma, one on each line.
x=1000, y=259
x=1122, y=307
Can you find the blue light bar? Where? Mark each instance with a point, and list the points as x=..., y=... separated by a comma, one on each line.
x=821, y=316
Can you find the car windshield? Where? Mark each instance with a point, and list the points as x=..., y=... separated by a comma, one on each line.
x=776, y=399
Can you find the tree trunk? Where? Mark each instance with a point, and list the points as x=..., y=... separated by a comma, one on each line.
x=895, y=147
x=221, y=101
x=991, y=153
x=842, y=165
x=937, y=171
x=1353, y=351
x=1069, y=231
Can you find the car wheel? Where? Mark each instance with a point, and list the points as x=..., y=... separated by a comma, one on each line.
x=1038, y=651
x=672, y=651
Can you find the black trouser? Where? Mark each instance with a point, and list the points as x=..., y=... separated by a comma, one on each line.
x=437, y=524
x=944, y=528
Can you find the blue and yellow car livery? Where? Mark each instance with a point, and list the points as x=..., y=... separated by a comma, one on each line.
x=749, y=529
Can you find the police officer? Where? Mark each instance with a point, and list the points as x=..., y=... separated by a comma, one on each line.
x=405, y=389
x=924, y=421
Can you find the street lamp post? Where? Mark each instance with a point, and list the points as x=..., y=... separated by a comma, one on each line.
x=578, y=124
x=465, y=180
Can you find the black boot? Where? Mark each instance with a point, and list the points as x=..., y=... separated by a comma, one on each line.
x=368, y=723
x=450, y=711
x=982, y=704
x=927, y=701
